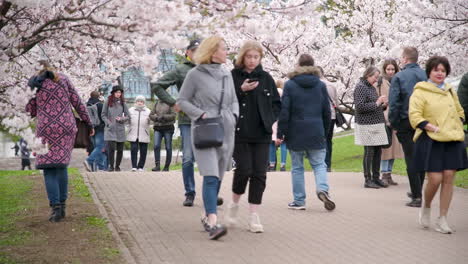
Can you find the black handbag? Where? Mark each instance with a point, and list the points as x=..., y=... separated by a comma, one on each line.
x=209, y=132
x=82, y=135
x=340, y=120
x=389, y=131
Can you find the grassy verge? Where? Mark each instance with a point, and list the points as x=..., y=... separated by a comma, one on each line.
x=27, y=237
x=347, y=156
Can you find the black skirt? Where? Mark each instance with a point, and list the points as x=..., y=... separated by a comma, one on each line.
x=434, y=156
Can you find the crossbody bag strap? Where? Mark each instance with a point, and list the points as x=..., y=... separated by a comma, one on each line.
x=222, y=96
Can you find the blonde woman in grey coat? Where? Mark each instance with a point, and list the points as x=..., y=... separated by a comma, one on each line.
x=199, y=97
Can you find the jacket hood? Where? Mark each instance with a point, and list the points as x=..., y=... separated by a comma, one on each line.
x=431, y=87
x=215, y=70
x=92, y=101
x=37, y=80
x=305, y=76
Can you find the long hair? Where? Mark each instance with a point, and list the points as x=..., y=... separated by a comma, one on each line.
x=206, y=50
x=390, y=62
x=248, y=45
x=50, y=72
x=111, y=98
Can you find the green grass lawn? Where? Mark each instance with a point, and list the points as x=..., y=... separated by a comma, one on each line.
x=348, y=157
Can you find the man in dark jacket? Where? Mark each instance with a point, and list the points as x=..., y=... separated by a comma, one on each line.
x=400, y=91
x=176, y=77
x=463, y=93
x=96, y=159
x=303, y=123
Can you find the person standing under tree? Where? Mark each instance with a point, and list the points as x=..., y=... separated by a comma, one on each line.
x=138, y=133
x=25, y=154
x=163, y=116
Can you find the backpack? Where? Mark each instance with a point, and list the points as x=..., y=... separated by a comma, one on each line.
x=93, y=115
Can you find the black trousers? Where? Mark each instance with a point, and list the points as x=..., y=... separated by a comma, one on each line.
x=251, y=167
x=328, y=157
x=371, y=162
x=134, y=148
x=113, y=146
x=405, y=134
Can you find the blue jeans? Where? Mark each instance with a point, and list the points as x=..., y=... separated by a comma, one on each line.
x=316, y=159
x=210, y=190
x=97, y=158
x=187, y=160
x=158, y=136
x=284, y=153
x=56, y=183
x=386, y=165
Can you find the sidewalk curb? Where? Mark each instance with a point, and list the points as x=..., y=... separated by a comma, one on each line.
x=126, y=253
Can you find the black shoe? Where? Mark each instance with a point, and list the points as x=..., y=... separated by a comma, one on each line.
x=117, y=168
x=217, y=231
x=188, y=201
x=327, y=202
x=220, y=201
x=415, y=203
x=410, y=195
x=62, y=210
x=56, y=213
x=370, y=184
x=283, y=168
x=166, y=168
x=328, y=169
x=380, y=183
x=111, y=169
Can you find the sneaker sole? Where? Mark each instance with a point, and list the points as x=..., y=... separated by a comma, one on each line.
x=87, y=167
x=218, y=235
x=327, y=203
x=296, y=208
x=256, y=230
x=440, y=230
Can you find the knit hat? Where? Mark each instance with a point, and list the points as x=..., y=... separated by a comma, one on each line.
x=194, y=44
x=140, y=98
x=116, y=88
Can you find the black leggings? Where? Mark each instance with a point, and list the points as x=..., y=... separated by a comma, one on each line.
x=113, y=146
x=371, y=162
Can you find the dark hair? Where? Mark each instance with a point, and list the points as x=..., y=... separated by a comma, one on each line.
x=434, y=61
x=306, y=60
x=95, y=94
x=390, y=62
x=371, y=70
x=110, y=99
x=411, y=53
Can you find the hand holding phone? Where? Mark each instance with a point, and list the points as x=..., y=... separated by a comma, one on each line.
x=251, y=80
x=249, y=84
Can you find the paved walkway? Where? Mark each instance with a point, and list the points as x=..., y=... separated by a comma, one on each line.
x=368, y=226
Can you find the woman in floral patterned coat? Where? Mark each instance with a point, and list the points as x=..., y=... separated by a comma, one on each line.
x=56, y=127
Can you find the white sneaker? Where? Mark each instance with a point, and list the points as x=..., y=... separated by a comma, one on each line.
x=231, y=217
x=140, y=169
x=254, y=223
x=134, y=169
x=425, y=217
x=442, y=226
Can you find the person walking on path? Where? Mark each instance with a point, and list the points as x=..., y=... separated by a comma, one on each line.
x=259, y=104
x=370, y=126
x=276, y=142
x=176, y=77
x=401, y=89
x=331, y=89
x=163, y=116
x=303, y=123
x=138, y=133
x=25, y=154
x=96, y=160
x=16, y=147
x=115, y=114
x=395, y=151
x=56, y=127
x=436, y=114
x=208, y=91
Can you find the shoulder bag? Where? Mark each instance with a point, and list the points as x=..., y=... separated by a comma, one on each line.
x=209, y=132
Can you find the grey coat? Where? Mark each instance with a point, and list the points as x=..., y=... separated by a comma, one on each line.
x=201, y=93
x=115, y=130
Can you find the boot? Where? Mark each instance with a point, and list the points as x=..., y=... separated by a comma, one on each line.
x=166, y=165
x=391, y=181
x=56, y=213
x=385, y=178
x=62, y=209
x=380, y=183
x=157, y=166
x=370, y=184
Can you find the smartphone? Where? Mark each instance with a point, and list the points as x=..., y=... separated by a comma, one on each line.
x=253, y=80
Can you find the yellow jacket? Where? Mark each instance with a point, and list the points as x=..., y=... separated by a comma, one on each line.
x=439, y=107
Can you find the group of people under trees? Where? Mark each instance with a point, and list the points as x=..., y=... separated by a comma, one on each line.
x=428, y=123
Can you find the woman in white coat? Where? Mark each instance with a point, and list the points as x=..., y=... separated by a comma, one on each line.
x=138, y=133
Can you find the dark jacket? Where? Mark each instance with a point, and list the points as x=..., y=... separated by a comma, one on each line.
x=463, y=94
x=258, y=109
x=401, y=89
x=99, y=105
x=365, y=98
x=175, y=77
x=163, y=116
x=305, y=112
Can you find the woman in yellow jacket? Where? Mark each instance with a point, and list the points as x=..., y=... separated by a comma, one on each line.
x=436, y=114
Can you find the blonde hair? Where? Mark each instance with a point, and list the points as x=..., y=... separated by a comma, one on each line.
x=46, y=67
x=248, y=45
x=206, y=50
x=279, y=84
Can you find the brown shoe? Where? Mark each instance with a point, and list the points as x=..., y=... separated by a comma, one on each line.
x=390, y=180
x=386, y=178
